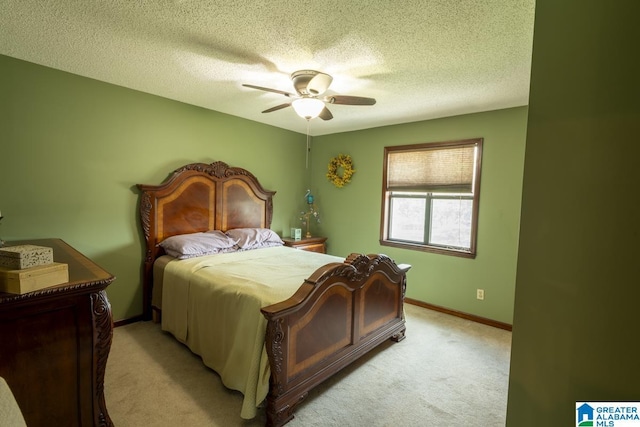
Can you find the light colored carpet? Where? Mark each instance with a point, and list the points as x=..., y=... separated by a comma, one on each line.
x=447, y=372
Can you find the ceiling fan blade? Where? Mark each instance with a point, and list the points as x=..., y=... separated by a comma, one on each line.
x=325, y=114
x=277, y=107
x=349, y=100
x=319, y=84
x=281, y=92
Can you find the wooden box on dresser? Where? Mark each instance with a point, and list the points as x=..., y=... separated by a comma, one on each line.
x=54, y=344
x=311, y=244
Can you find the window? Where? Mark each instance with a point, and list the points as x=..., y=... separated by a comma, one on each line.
x=430, y=197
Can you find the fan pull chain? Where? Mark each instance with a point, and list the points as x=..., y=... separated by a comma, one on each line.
x=308, y=146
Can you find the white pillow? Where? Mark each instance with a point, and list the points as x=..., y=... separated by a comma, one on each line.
x=197, y=244
x=253, y=238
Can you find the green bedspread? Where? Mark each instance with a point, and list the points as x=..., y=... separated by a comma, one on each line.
x=212, y=304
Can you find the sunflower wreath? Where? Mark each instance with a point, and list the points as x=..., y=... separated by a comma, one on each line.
x=341, y=161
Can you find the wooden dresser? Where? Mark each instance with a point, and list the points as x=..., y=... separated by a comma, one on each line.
x=54, y=344
x=311, y=244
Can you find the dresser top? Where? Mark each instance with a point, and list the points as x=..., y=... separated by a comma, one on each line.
x=84, y=274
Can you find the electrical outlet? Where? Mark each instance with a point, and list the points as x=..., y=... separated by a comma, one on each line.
x=480, y=294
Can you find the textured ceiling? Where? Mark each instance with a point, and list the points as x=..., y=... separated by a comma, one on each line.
x=421, y=59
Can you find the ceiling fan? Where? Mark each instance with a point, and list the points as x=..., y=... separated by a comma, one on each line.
x=307, y=103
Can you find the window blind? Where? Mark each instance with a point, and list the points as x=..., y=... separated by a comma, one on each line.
x=434, y=170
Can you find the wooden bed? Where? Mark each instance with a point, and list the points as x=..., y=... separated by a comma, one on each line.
x=342, y=311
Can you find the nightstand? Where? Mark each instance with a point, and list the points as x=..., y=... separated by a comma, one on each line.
x=311, y=244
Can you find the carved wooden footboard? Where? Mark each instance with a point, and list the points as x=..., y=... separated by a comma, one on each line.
x=340, y=313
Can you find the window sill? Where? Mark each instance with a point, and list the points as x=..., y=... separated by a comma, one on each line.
x=432, y=249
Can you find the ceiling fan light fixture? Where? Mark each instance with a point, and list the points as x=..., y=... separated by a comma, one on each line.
x=308, y=108
x=309, y=85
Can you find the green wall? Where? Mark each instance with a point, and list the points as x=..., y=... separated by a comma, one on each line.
x=578, y=277
x=72, y=150
x=351, y=215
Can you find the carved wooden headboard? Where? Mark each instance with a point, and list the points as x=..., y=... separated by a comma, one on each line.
x=199, y=197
